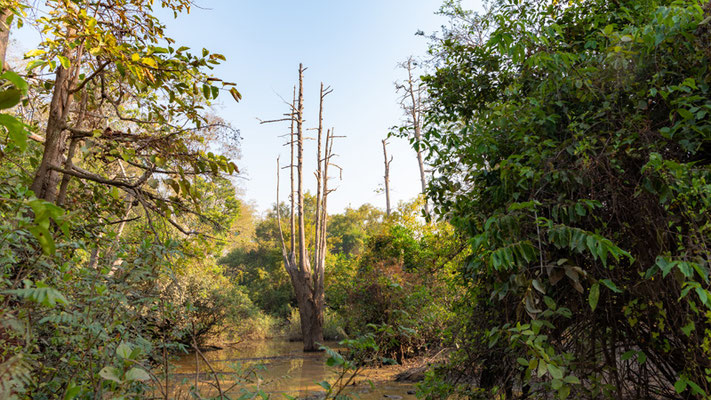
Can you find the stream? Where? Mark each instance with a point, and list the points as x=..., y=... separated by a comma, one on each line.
x=279, y=368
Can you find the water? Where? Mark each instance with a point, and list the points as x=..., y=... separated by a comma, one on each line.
x=279, y=367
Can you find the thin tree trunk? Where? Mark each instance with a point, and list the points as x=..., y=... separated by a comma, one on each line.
x=292, y=220
x=68, y=164
x=415, y=112
x=387, y=177
x=4, y=36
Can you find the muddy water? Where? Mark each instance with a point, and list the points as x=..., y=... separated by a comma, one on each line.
x=279, y=367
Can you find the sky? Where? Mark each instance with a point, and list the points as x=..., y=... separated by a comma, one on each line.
x=352, y=46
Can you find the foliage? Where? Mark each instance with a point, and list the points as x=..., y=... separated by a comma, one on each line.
x=570, y=142
x=99, y=283
x=401, y=291
x=359, y=352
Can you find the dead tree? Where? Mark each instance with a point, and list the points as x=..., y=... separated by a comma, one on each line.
x=306, y=273
x=412, y=103
x=387, y=176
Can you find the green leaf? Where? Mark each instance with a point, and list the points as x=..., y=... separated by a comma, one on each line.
x=111, y=374
x=628, y=354
x=9, y=98
x=541, y=368
x=550, y=302
x=41, y=233
x=686, y=114
x=538, y=286
x=688, y=328
x=16, y=131
x=610, y=285
x=137, y=374
x=72, y=391
x=564, y=392
x=16, y=80
x=594, y=296
x=325, y=385
x=680, y=385
x=124, y=351
x=64, y=61
x=555, y=372
x=556, y=384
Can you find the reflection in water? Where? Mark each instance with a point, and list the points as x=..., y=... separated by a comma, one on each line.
x=277, y=367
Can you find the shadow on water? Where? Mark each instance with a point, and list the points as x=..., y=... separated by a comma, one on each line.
x=277, y=367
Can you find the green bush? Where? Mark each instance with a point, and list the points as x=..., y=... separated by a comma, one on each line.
x=571, y=143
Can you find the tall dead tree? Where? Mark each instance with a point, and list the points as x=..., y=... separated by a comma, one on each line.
x=387, y=176
x=306, y=273
x=412, y=103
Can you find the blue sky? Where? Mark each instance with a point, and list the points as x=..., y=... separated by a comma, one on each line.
x=353, y=46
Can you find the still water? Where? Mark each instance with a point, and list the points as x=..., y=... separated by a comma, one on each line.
x=279, y=368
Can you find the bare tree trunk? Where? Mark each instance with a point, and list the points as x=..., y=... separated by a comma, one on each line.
x=310, y=311
x=4, y=36
x=319, y=184
x=416, y=115
x=387, y=177
x=292, y=220
x=303, y=259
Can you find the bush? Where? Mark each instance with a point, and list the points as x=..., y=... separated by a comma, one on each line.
x=571, y=144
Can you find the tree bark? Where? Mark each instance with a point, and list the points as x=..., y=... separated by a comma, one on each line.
x=4, y=37
x=387, y=177
x=47, y=178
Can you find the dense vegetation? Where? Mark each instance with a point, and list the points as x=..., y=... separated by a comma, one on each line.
x=562, y=251
x=570, y=143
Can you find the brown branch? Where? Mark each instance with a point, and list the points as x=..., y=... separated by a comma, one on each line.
x=90, y=77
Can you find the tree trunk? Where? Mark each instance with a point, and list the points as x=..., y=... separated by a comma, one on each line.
x=303, y=259
x=292, y=219
x=306, y=279
x=416, y=116
x=4, y=37
x=387, y=177
x=47, y=179
x=310, y=311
